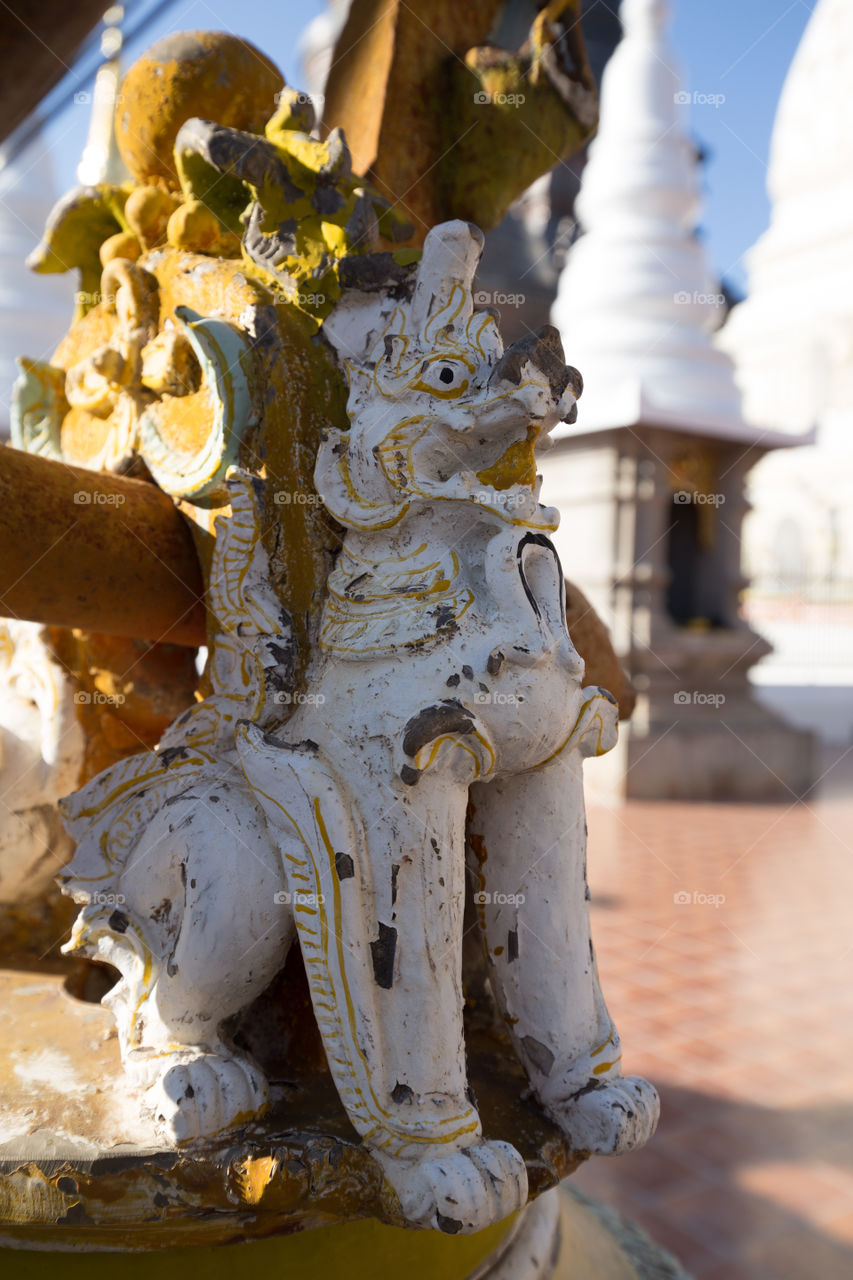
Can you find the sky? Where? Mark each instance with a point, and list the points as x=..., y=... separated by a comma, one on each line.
x=734, y=55
x=740, y=49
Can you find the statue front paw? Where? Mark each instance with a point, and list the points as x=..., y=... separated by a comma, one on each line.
x=610, y=1116
x=197, y=1095
x=462, y=1191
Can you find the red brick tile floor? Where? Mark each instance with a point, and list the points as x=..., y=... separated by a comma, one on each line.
x=724, y=935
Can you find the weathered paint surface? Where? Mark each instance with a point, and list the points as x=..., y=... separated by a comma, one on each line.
x=209, y=73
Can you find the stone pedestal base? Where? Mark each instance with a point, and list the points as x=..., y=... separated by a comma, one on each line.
x=80, y=1171
x=697, y=732
x=293, y=1195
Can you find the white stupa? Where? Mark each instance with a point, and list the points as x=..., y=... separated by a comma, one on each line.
x=792, y=339
x=316, y=48
x=799, y=312
x=101, y=160
x=637, y=302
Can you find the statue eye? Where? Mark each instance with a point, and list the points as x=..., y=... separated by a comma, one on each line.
x=443, y=378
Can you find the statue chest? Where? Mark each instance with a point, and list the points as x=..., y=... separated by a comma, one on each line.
x=435, y=627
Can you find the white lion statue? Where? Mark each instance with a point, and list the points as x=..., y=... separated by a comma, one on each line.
x=444, y=684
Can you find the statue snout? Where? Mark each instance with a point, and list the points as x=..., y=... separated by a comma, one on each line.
x=544, y=350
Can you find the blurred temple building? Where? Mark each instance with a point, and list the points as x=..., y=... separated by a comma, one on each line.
x=523, y=257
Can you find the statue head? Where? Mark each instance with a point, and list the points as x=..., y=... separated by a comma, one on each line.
x=438, y=410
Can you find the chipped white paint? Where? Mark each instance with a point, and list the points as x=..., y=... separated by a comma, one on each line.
x=16, y=1124
x=444, y=675
x=162, y=837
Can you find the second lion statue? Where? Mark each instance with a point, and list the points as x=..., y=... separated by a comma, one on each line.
x=444, y=683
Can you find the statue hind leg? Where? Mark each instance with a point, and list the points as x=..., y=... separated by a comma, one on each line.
x=527, y=837
x=203, y=897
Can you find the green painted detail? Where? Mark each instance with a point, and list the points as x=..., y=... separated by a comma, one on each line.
x=509, y=116
x=225, y=195
x=307, y=272
x=294, y=199
x=223, y=353
x=76, y=228
x=38, y=407
x=407, y=257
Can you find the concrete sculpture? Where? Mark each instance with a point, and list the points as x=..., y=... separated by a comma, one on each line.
x=444, y=678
